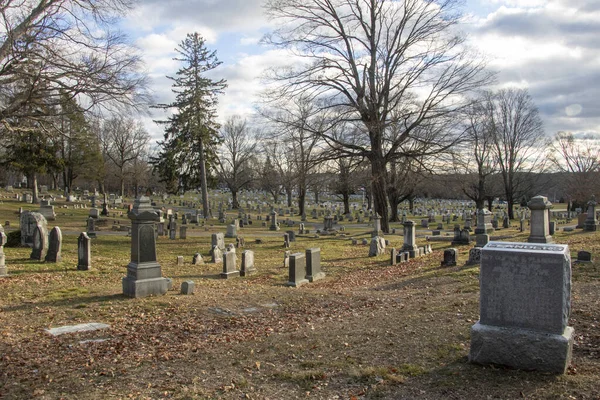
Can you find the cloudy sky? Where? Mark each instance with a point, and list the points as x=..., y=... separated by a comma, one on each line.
x=550, y=47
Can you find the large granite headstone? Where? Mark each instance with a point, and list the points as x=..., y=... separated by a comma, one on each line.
x=229, y=265
x=247, y=263
x=540, y=229
x=591, y=222
x=525, y=302
x=144, y=277
x=28, y=221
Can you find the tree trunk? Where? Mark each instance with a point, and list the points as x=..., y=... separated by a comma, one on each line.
x=346, y=200
x=394, y=202
x=411, y=205
x=490, y=201
x=379, y=190
x=288, y=192
x=301, y=199
x=122, y=179
x=34, y=188
x=203, y=181
x=316, y=192
x=234, y=201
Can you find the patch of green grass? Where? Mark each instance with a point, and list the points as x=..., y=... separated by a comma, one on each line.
x=66, y=293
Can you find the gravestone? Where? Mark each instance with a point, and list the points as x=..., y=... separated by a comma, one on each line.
x=297, y=270
x=40, y=243
x=247, y=267
x=231, y=231
x=54, y=246
x=525, y=302
x=217, y=239
x=591, y=222
x=3, y=237
x=328, y=223
x=474, y=256
x=47, y=210
x=450, y=258
x=313, y=264
x=376, y=226
x=229, y=265
x=144, y=277
x=291, y=235
x=84, y=253
x=197, y=259
x=172, y=230
x=183, y=232
x=286, y=240
x=28, y=221
x=377, y=246
x=274, y=226
x=91, y=227
x=179, y=260
x=216, y=255
x=393, y=256
x=409, y=236
x=484, y=222
x=187, y=287
x=584, y=256
x=539, y=229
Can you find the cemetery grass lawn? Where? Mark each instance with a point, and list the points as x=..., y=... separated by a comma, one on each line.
x=367, y=331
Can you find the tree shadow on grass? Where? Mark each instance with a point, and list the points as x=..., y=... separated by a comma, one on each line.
x=68, y=302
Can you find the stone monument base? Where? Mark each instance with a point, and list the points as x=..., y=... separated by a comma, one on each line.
x=521, y=348
x=225, y=275
x=315, y=277
x=145, y=287
x=297, y=283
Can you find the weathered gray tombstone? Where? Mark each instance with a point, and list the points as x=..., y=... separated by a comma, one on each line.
x=3, y=270
x=506, y=222
x=539, y=229
x=160, y=228
x=297, y=270
x=247, y=267
x=229, y=265
x=217, y=239
x=484, y=222
x=313, y=264
x=286, y=259
x=376, y=226
x=274, y=226
x=474, y=256
x=172, y=230
x=450, y=258
x=47, y=210
x=291, y=235
x=197, y=259
x=144, y=277
x=179, y=260
x=40, y=243
x=187, y=287
x=28, y=222
x=286, y=240
x=183, y=232
x=216, y=255
x=377, y=246
x=409, y=236
x=328, y=223
x=231, y=231
x=591, y=222
x=54, y=246
x=84, y=252
x=525, y=302
x=393, y=256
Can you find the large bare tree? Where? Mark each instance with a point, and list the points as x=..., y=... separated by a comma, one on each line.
x=519, y=141
x=235, y=156
x=379, y=63
x=57, y=49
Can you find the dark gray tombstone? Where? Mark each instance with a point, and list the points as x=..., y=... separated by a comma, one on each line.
x=247, y=263
x=313, y=264
x=172, y=230
x=584, y=256
x=84, y=253
x=40, y=243
x=525, y=302
x=297, y=270
x=183, y=232
x=54, y=245
x=229, y=265
x=450, y=257
x=591, y=222
x=274, y=226
x=291, y=235
x=144, y=277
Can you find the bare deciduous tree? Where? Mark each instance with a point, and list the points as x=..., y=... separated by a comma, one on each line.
x=518, y=139
x=380, y=63
x=235, y=156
